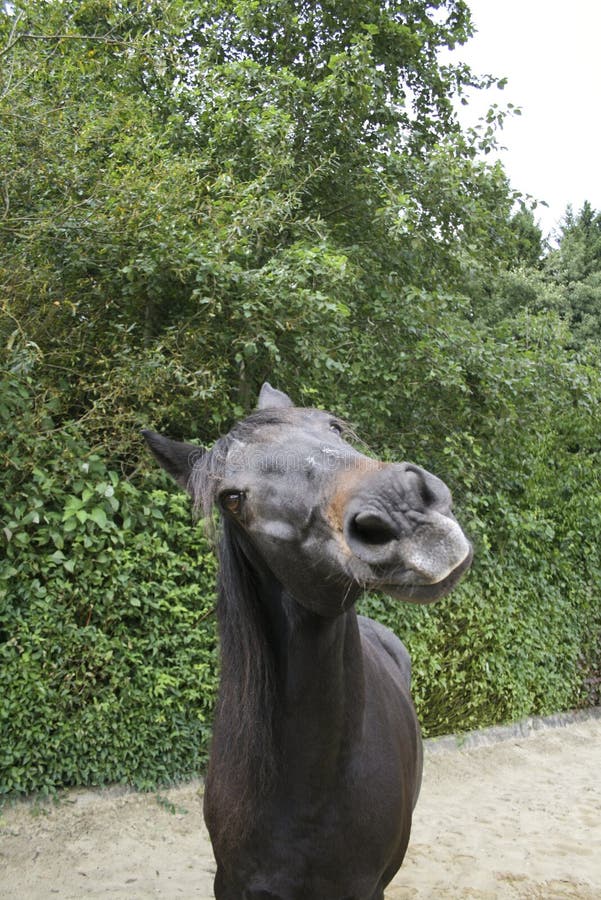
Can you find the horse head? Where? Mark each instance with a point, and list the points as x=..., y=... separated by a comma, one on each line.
x=327, y=521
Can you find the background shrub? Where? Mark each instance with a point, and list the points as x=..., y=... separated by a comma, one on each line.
x=188, y=210
x=107, y=648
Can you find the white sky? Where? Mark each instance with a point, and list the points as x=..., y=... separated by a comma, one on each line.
x=550, y=51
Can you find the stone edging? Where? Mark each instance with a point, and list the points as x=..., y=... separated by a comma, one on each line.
x=498, y=733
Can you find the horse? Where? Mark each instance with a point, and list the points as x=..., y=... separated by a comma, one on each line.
x=316, y=757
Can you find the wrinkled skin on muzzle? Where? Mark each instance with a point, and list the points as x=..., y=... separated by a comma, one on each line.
x=404, y=539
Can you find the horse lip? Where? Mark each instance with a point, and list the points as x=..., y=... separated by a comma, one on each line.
x=424, y=593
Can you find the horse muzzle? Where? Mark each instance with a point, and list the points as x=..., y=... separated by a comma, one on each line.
x=402, y=535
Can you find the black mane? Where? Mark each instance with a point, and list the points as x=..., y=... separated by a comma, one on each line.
x=243, y=762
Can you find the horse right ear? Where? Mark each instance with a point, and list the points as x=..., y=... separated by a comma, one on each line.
x=176, y=458
x=271, y=398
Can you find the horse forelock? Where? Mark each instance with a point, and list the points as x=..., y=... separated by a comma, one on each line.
x=205, y=478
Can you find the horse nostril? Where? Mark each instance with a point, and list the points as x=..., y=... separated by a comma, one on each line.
x=427, y=490
x=370, y=528
x=416, y=481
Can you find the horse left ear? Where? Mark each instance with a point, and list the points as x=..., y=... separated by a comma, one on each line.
x=271, y=398
x=176, y=458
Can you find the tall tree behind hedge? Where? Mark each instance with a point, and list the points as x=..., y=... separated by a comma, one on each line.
x=575, y=266
x=197, y=195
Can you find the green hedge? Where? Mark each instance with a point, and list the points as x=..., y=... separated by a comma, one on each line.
x=495, y=652
x=107, y=646
x=108, y=659
x=522, y=634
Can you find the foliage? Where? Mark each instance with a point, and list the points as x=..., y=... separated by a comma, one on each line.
x=185, y=201
x=575, y=266
x=107, y=652
x=196, y=197
x=522, y=635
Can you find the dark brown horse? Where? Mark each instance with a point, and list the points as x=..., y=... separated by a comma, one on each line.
x=316, y=757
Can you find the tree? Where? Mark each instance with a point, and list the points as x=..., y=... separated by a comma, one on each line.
x=222, y=191
x=575, y=266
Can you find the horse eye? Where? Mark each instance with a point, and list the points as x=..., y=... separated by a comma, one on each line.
x=232, y=501
x=337, y=427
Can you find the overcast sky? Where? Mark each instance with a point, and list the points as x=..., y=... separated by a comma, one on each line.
x=550, y=51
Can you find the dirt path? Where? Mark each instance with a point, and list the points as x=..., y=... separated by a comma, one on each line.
x=519, y=818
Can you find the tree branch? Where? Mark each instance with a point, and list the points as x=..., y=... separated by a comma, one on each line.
x=29, y=35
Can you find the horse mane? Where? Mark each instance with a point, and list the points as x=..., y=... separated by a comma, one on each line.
x=243, y=760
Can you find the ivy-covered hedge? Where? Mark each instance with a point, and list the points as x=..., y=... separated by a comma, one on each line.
x=522, y=634
x=107, y=648
x=108, y=661
x=496, y=651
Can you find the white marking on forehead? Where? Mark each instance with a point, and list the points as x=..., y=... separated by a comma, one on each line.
x=241, y=444
x=329, y=451
x=310, y=460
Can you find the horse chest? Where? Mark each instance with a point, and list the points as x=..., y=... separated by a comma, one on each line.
x=334, y=847
x=340, y=816
x=300, y=865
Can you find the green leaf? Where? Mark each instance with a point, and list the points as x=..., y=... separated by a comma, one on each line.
x=98, y=515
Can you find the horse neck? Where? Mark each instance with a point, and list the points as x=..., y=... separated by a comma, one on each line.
x=291, y=692
x=310, y=666
x=323, y=694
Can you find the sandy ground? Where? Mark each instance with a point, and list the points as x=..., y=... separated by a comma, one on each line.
x=517, y=818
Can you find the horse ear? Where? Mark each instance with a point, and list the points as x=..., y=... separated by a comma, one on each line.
x=270, y=398
x=176, y=458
